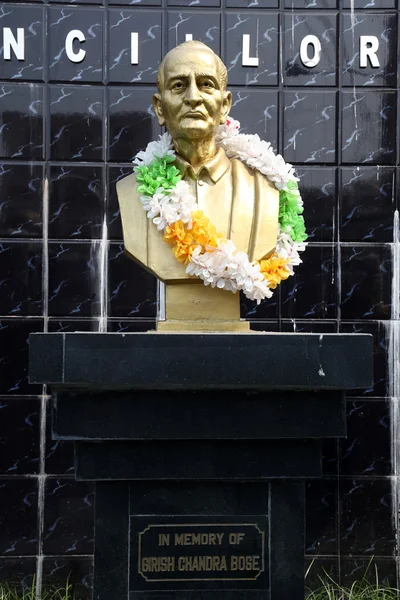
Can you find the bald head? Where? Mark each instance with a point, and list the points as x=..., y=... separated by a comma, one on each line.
x=191, y=45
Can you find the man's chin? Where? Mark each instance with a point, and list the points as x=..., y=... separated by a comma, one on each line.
x=196, y=130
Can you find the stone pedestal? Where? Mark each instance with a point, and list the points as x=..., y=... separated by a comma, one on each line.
x=199, y=445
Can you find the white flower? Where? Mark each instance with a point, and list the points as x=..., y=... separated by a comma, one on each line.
x=289, y=250
x=185, y=202
x=259, y=292
x=154, y=150
x=258, y=154
x=153, y=206
x=229, y=129
x=168, y=216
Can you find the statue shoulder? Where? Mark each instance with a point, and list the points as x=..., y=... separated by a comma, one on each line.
x=261, y=180
x=127, y=186
x=265, y=199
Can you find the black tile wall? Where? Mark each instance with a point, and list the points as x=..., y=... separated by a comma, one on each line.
x=69, y=130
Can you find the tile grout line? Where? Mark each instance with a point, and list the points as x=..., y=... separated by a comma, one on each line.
x=43, y=401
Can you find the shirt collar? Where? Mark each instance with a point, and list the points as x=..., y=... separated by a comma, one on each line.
x=216, y=167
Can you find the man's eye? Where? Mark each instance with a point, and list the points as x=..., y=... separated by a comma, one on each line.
x=207, y=84
x=178, y=85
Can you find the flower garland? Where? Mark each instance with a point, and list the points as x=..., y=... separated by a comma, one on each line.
x=167, y=200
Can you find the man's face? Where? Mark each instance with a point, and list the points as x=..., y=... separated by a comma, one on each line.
x=192, y=103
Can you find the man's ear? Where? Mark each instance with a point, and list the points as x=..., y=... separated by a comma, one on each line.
x=226, y=107
x=157, y=109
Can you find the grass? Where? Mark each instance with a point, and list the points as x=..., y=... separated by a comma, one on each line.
x=15, y=592
x=329, y=590
x=359, y=590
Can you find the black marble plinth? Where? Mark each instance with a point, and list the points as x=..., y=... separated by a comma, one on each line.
x=217, y=361
x=199, y=445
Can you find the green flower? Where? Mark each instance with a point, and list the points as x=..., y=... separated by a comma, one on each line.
x=290, y=219
x=161, y=173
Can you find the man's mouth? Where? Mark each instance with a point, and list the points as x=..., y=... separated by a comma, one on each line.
x=195, y=115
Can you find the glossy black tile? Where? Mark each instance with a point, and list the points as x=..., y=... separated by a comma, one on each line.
x=191, y=3
x=318, y=187
x=367, y=508
x=267, y=309
x=330, y=457
x=305, y=64
x=14, y=345
x=59, y=457
x=133, y=291
x=21, y=189
x=321, y=517
x=68, y=517
x=18, y=517
x=132, y=326
x=367, y=204
x=380, y=333
x=368, y=127
x=366, y=276
x=23, y=60
x=76, y=123
x=78, y=570
x=72, y=56
x=371, y=4
x=252, y=3
x=74, y=279
x=18, y=572
x=21, y=286
x=297, y=326
x=76, y=202
x=311, y=292
x=263, y=30
x=72, y=2
x=316, y=4
x=354, y=204
x=132, y=123
x=354, y=569
x=366, y=420
x=63, y=325
x=135, y=2
x=142, y=68
x=378, y=69
x=203, y=26
x=21, y=121
x=257, y=111
x=261, y=325
x=19, y=435
x=309, y=126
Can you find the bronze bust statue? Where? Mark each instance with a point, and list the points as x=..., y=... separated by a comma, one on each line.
x=243, y=204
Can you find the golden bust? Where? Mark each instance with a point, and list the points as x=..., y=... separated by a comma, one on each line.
x=192, y=102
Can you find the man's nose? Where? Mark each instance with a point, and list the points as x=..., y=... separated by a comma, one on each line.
x=193, y=96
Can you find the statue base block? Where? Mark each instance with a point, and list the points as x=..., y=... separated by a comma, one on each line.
x=172, y=325
x=199, y=445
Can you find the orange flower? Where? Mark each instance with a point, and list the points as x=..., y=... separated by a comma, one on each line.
x=184, y=241
x=274, y=270
x=183, y=251
x=177, y=232
x=181, y=240
x=204, y=232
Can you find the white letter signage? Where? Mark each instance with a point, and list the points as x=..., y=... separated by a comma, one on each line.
x=18, y=45
x=75, y=57
x=313, y=41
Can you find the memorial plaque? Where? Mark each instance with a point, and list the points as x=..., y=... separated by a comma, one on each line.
x=197, y=552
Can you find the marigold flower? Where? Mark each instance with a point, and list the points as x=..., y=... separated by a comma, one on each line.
x=274, y=270
x=204, y=232
x=181, y=239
